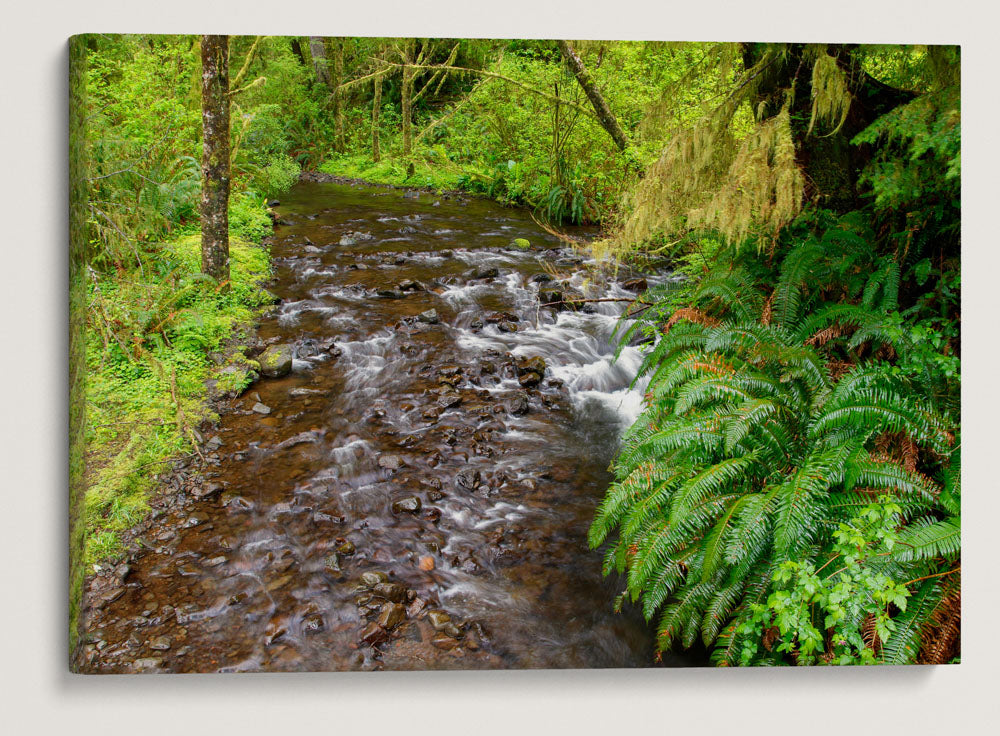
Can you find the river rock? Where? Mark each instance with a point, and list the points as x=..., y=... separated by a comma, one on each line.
x=390, y=293
x=408, y=505
x=391, y=615
x=426, y=563
x=529, y=380
x=276, y=361
x=372, y=578
x=449, y=400
x=374, y=634
x=395, y=592
x=485, y=273
x=390, y=462
x=521, y=243
x=553, y=299
x=519, y=404
x=409, y=285
x=636, y=285
x=438, y=619
x=160, y=643
x=260, y=408
x=430, y=317
x=541, y=278
x=534, y=364
x=346, y=548
x=468, y=479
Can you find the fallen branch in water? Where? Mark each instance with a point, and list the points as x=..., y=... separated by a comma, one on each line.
x=586, y=301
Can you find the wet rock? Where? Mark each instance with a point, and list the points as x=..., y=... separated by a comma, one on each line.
x=276, y=361
x=332, y=563
x=534, y=364
x=529, y=380
x=215, y=561
x=353, y=238
x=372, y=578
x=276, y=628
x=519, y=404
x=395, y=592
x=390, y=462
x=431, y=413
x=260, y=408
x=430, y=317
x=160, y=643
x=213, y=444
x=635, y=285
x=449, y=400
x=468, y=479
x=346, y=547
x=507, y=326
x=390, y=293
x=409, y=285
x=521, y=243
x=438, y=619
x=434, y=494
x=147, y=663
x=553, y=299
x=408, y=505
x=391, y=615
x=426, y=563
x=541, y=278
x=443, y=641
x=195, y=519
x=485, y=273
x=273, y=203
x=374, y=634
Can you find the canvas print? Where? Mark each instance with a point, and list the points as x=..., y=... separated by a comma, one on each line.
x=428, y=353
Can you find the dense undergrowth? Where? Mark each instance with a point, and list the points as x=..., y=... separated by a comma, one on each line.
x=147, y=363
x=792, y=492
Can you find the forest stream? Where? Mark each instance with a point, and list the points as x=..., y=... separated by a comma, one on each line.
x=416, y=493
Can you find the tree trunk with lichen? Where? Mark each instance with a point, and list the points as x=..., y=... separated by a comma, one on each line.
x=317, y=48
x=830, y=162
x=338, y=101
x=376, y=112
x=215, y=157
x=605, y=117
x=407, y=97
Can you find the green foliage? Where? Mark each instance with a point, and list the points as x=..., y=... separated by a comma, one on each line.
x=147, y=365
x=784, y=397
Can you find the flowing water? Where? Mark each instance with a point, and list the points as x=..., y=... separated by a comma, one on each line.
x=271, y=568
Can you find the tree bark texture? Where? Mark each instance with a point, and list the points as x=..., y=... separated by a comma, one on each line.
x=338, y=97
x=215, y=157
x=604, y=115
x=376, y=113
x=297, y=50
x=318, y=51
x=407, y=98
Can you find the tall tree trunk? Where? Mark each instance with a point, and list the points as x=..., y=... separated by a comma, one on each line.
x=338, y=102
x=318, y=51
x=215, y=157
x=297, y=50
x=376, y=112
x=604, y=115
x=407, y=97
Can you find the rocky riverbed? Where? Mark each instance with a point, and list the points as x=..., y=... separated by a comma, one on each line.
x=409, y=483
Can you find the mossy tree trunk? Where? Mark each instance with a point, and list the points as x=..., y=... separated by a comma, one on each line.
x=297, y=50
x=317, y=48
x=830, y=163
x=215, y=167
x=338, y=101
x=376, y=113
x=605, y=117
x=409, y=74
